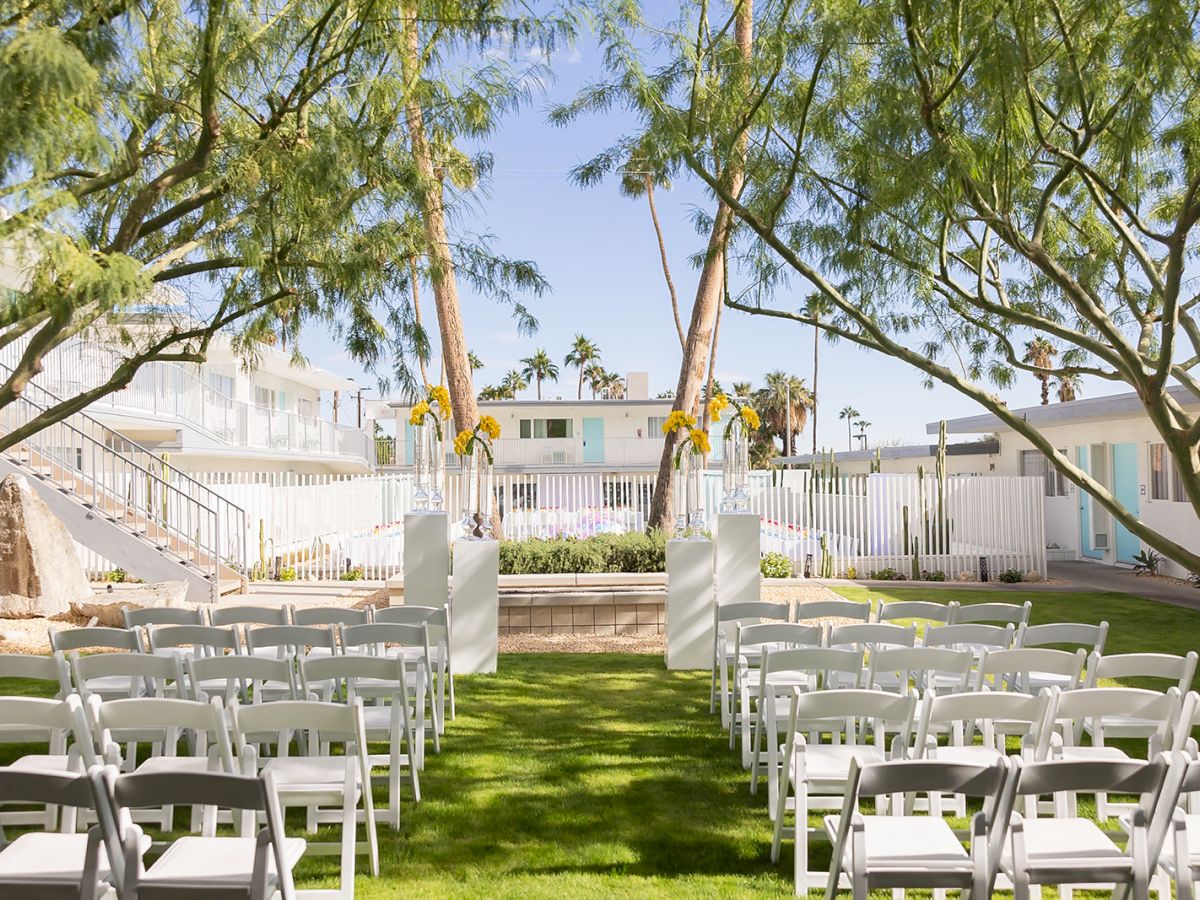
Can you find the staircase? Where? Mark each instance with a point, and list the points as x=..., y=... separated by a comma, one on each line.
x=125, y=502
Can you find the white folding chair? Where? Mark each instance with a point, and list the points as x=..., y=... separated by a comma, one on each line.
x=250, y=679
x=240, y=617
x=202, y=723
x=870, y=637
x=398, y=722
x=782, y=671
x=907, y=851
x=898, y=668
x=410, y=642
x=726, y=618
x=318, y=779
x=1073, y=708
x=336, y=616
x=436, y=620
x=929, y=610
x=816, y=774
x=975, y=637
x=44, y=864
x=51, y=670
x=1062, y=635
x=1072, y=851
x=751, y=644
x=187, y=641
x=29, y=720
x=819, y=610
x=1174, y=833
x=1014, y=614
x=113, y=676
x=1178, y=671
x=1025, y=669
x=201, y=866
x=162, y=615
x=95, y=636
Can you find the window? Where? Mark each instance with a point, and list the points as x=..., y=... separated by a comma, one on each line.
x=304, y=407
x=1177, y=493
x=1160, y=485
x=546, y=428
x=222, y=384
x=264, y=398
x=1034, y=463
x=654, y=425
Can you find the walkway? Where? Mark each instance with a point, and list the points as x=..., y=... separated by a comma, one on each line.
x=1097, y=577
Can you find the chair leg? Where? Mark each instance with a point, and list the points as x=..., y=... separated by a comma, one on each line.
x=800, y=841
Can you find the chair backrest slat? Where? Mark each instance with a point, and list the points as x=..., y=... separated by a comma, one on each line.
x=162, y=615
x=330, y=615
x=249, y=615
x=834, y=609
x=95, y=636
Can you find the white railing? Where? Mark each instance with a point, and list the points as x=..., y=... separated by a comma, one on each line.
x=130, y=485
x=324, y=525
x=171, y=391
x=544, y=453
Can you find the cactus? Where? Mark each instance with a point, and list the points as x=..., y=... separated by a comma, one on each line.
x=904, y=515
x=916, y=559
x=876, y=463
x=826, y=559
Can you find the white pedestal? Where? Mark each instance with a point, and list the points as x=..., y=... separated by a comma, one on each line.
x=739, y=570
x=475, y=606
x=426, y=559
x=689, y=604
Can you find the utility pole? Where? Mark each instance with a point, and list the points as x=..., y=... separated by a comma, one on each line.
x=787, y=441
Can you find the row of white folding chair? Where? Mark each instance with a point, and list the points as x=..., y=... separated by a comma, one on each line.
x=107, y=862
x=952, y=612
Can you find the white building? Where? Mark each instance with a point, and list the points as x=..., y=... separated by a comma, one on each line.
x=965, y=458
x=564, y=435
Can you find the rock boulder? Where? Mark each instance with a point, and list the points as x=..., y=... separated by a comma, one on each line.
x=40, y=572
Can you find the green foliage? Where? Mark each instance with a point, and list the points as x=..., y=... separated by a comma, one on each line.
x=1011, y=576
x=851, y=572
x=287, y=573
x=937, y=575
x=776, y=565
x=116, y=576
x=1147, y=562
x=354, y=574
x=885, y=574
x=631, y=552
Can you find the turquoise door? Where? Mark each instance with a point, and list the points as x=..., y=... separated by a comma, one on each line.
x=410, y=443
x=593, y=440
x=1085, y=511
x=1125, y=489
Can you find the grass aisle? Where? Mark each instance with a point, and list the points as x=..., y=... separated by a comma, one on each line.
x=581, y=775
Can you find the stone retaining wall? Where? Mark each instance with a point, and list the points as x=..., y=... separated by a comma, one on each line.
x=599, y=612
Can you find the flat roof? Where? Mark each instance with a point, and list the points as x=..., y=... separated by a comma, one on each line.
x=666, y=401
x=1089, y=409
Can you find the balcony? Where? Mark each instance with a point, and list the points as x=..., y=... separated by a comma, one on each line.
x=548, y=453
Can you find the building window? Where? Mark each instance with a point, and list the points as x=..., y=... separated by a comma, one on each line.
x=654, y=425
x=1160, y=465
x=264, y=398
x=222, y=384
x=1177, y=493
x=546, y=428
x=1035, y=464
x=304, y=407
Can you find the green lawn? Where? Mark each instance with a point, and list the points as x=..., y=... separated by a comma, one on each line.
x=584, y=775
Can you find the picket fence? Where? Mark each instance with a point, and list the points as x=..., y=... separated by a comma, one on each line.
x=329, y=526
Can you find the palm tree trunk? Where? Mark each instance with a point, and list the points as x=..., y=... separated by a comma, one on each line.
x=662, y=252
x=539, y=386
x=580, y=394
x=708, y=290
x=1045, y=379
x=849, y=435
x=437, y=242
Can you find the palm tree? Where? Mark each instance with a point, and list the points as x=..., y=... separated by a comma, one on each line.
x=538, y=367
x=513, y=382
x=1069, y=387
x=474, y=361
x=1040, y=353
x=582, y=353
x=491, y=392
x=863, y=425
x=595, y=375
x=614, y=386
x=849, y=413
x=742, y=389
x=772, y=404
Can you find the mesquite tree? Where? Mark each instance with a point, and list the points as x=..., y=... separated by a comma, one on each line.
x=254, y=155
x=959, y=179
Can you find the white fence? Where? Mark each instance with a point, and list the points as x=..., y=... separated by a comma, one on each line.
x=325, y=525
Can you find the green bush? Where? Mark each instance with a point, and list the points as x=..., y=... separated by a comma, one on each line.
x=117, y=576
x=287, y=573
x=888, y=574
x=355, y=574
x=937, y=575
x=776, y=565
x=632, y=552
x=1011, y=576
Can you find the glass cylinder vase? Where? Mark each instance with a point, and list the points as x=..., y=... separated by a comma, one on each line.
x=477, y=493
x=735, y=468
x=421, y=467
x=437, y=471
x=688, y=496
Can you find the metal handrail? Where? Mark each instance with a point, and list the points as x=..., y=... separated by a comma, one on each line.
x=166, y=502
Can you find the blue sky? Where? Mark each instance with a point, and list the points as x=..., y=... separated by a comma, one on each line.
x=598, y=251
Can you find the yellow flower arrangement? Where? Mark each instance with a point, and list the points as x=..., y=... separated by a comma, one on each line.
x=490, y=426
x=750, y=417
x=461, y=442
x=419, y=412
x=439, y=395
x=677, y=420
x=699, y=439
x=716, y=405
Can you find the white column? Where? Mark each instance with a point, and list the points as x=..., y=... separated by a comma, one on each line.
x=689, y=604
x=739, y=571
x=475, y=606
x=426, y=559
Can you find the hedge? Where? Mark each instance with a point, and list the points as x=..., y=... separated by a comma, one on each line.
x=632, y=552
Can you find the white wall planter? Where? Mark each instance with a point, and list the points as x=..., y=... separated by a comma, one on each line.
x=738, y=572
x=475, y=606
x=689, y=604
x=426, y=559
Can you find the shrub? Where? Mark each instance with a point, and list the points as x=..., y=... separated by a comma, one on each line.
x=631, y=552
x=287, y=573
x=888, y=574
x=851, y=573
x=937, y=575
x=355, y=574
x=1146, y=562
x=116, y=576
x=1011, y=576
x=776, y=565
